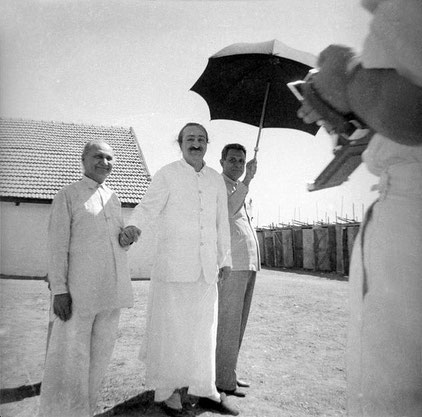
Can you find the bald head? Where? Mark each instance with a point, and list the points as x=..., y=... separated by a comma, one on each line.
x=95, y=143
x=97, y=160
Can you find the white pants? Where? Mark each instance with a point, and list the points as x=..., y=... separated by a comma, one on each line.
x=78, y=353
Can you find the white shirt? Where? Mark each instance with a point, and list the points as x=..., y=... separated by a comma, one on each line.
x=244, y=243
x=188, y=211
x=85, y=257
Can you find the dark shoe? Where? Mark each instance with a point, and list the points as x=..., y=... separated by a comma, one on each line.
x=172, y=412
x=235, y=392
x=242, y=384
x=223, y=407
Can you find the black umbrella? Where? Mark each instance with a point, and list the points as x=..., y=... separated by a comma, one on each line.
x=246, y=82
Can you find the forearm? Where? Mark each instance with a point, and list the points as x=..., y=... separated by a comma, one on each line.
x=388, y=103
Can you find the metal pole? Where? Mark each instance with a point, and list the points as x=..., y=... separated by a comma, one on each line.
x=261, y=122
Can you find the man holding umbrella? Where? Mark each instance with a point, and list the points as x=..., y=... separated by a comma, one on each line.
x=235, y=293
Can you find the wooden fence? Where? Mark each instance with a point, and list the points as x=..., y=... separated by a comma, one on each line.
x=318, y=248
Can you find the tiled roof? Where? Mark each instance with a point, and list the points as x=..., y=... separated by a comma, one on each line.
x=38, y=158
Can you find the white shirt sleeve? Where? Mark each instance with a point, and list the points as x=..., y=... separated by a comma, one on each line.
x=153, y=202
x=58, y=244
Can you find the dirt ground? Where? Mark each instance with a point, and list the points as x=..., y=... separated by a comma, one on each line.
x=292, y=354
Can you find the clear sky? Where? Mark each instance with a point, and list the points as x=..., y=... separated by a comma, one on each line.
x=132, y=63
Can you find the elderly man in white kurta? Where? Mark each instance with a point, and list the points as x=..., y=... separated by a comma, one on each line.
x=187, y=202
x=235, y=293
x=89, y=282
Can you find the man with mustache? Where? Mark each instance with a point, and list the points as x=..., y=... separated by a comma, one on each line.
x=186, y=204
x=89, y=282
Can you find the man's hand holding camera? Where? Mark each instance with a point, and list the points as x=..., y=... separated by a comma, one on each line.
x=325, y=95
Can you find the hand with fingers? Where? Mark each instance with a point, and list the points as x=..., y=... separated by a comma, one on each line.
x=251, y=167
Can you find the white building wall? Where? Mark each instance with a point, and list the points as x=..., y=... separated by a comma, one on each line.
x=23, y=244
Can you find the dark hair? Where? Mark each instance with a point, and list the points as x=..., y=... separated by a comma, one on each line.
x=235, y=146
x=180, y=136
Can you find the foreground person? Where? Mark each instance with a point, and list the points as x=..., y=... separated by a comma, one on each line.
x=384, y=89
x=89, y=281
x=187, y=205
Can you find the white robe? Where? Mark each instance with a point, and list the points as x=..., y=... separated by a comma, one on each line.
x=86, y=260
x=188, y=211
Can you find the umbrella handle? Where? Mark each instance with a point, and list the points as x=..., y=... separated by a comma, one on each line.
x=261, y=122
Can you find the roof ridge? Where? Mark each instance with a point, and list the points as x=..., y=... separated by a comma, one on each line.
x=55, y=122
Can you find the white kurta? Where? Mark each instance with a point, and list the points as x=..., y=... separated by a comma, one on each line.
x=188, y=211
x=384, y=353
x=86, y=260
x=85, y=257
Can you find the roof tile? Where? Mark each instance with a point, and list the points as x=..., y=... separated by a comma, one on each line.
x=38, y=158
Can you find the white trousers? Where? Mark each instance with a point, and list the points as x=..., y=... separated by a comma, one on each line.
x=78, y=353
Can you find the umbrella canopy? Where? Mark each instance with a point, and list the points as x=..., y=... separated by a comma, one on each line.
x=246, y=82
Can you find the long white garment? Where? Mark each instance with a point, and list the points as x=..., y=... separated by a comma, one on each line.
x=86, y=260
x=188, y=211
x=384, y=352
x=181, y=332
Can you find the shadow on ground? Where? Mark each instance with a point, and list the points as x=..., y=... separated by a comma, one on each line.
x=141, y=405
x=144, y=405
x=10, y=395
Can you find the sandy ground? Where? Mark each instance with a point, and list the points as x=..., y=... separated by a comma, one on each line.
x=293, y=350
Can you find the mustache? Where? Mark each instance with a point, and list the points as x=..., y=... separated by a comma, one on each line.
x=195, y=148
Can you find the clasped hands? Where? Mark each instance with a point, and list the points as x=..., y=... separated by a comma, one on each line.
x=62, y=303
x=128, y=235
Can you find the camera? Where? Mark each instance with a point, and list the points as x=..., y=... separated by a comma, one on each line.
x=345, y=126
x=351, y=136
